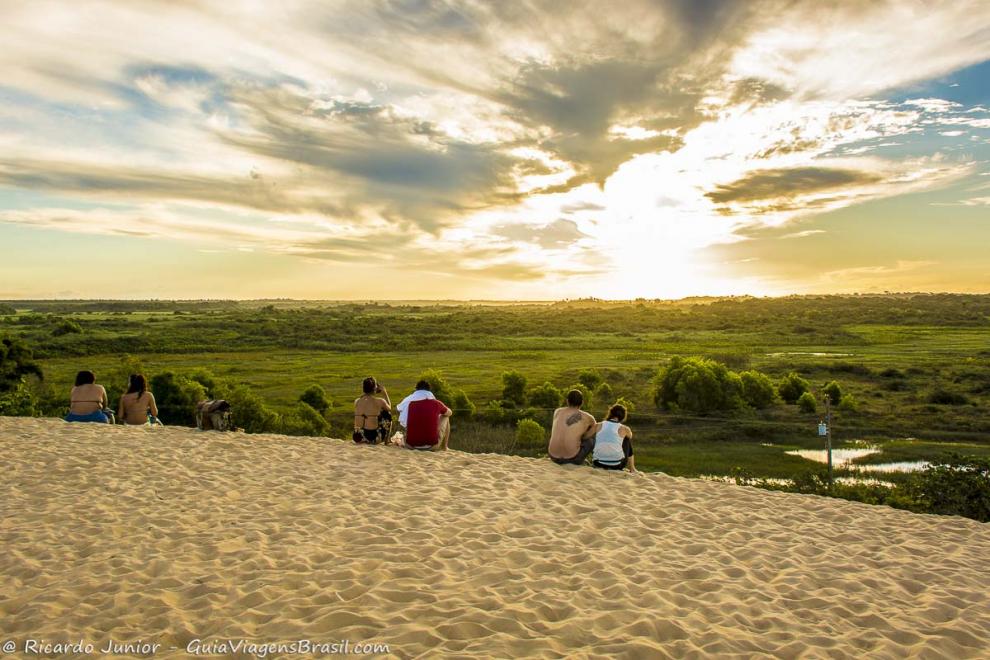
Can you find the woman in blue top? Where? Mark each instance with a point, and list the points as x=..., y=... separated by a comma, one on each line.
x=613, y=442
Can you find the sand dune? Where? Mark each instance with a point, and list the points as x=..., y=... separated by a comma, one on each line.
x=169, y=535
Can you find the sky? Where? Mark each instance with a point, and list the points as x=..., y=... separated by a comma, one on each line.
x=423, y=149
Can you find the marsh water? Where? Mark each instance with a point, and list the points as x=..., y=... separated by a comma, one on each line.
x=844, y=458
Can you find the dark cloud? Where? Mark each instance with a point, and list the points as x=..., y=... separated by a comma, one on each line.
x=250, y=190
x=789, y=182
x=406, y=166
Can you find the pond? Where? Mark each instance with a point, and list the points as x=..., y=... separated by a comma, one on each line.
x=840, y=457
x=844, y=458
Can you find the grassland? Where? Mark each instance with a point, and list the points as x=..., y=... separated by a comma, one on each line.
x=891, y=354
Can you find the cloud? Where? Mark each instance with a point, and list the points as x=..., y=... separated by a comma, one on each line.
x=533, y=129
x=804, y=234
x=788, y=183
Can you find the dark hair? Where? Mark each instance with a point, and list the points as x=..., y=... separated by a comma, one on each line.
x=617, y=412
x=85, y=378
x=137, y=385
x=575, y=398
x=423, y=385
x=368, y=385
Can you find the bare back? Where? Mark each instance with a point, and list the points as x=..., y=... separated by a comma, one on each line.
x=366, y=411
x=569, y=426
x=86, y=399
x=134, y=408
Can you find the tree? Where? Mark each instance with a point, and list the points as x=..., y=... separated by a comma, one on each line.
x=591, y=378
x=16, y=363
x=697, y=385
x=316, y=397
x=834, y=393
x=806, y=403
x=791, y=387
x=757, y=389
x=7, y=310
x=514, y=387
x=546, y=396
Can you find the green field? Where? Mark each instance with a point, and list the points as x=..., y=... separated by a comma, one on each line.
x=890, y=354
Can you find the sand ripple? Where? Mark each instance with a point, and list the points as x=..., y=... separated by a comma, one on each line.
x=170, y=535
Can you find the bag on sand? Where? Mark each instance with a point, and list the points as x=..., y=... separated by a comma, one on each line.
x=214, y=415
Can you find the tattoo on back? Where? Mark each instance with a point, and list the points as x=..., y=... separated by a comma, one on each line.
x=574, y=419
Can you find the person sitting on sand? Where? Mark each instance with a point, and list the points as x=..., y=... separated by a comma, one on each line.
x=572, y=436
x=87, y=400
x=427, y=421
x=368, y=409
x=138, y=406
x=613, y=442
x=421, y=392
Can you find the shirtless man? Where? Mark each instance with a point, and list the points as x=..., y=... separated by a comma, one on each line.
x=573, y=434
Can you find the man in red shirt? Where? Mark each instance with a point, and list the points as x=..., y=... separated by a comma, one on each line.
x=428, y=425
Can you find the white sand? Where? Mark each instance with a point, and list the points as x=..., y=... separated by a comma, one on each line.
x=168, y=535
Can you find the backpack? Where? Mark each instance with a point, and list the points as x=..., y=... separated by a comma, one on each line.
x=214, y=415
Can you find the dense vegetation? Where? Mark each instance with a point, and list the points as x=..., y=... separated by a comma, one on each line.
x=715, y=386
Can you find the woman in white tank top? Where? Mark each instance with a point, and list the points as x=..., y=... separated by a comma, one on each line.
x=613, y=442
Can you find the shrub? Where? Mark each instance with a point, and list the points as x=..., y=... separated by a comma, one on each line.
x=176, y=396
x=849, y=403
x=461, y=405
x=500, y=412
x=892, y=373
x=806, y=403
x=955, y=485
x=545, y=396
x=697, y=385
x=757, y=389
x=604, y=393
x=514, y=387
x=7, y=310
x=943, y=397
x=834, y=392
x=18, y=401
x=529, y=434
x=591, y=378
x=304, y=419
x=791, y=387
x=316, y=398
x=66, y=327
x=209, y=382
x=250, y=412
x=627, y=404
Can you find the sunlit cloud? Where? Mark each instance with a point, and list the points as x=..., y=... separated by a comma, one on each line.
x=603, y=151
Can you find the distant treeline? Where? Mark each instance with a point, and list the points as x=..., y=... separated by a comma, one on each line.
x=61, y=328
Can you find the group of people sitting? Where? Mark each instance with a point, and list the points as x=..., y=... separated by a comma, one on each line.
x=425, y=424
x=88, y=402
x=424, y=421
